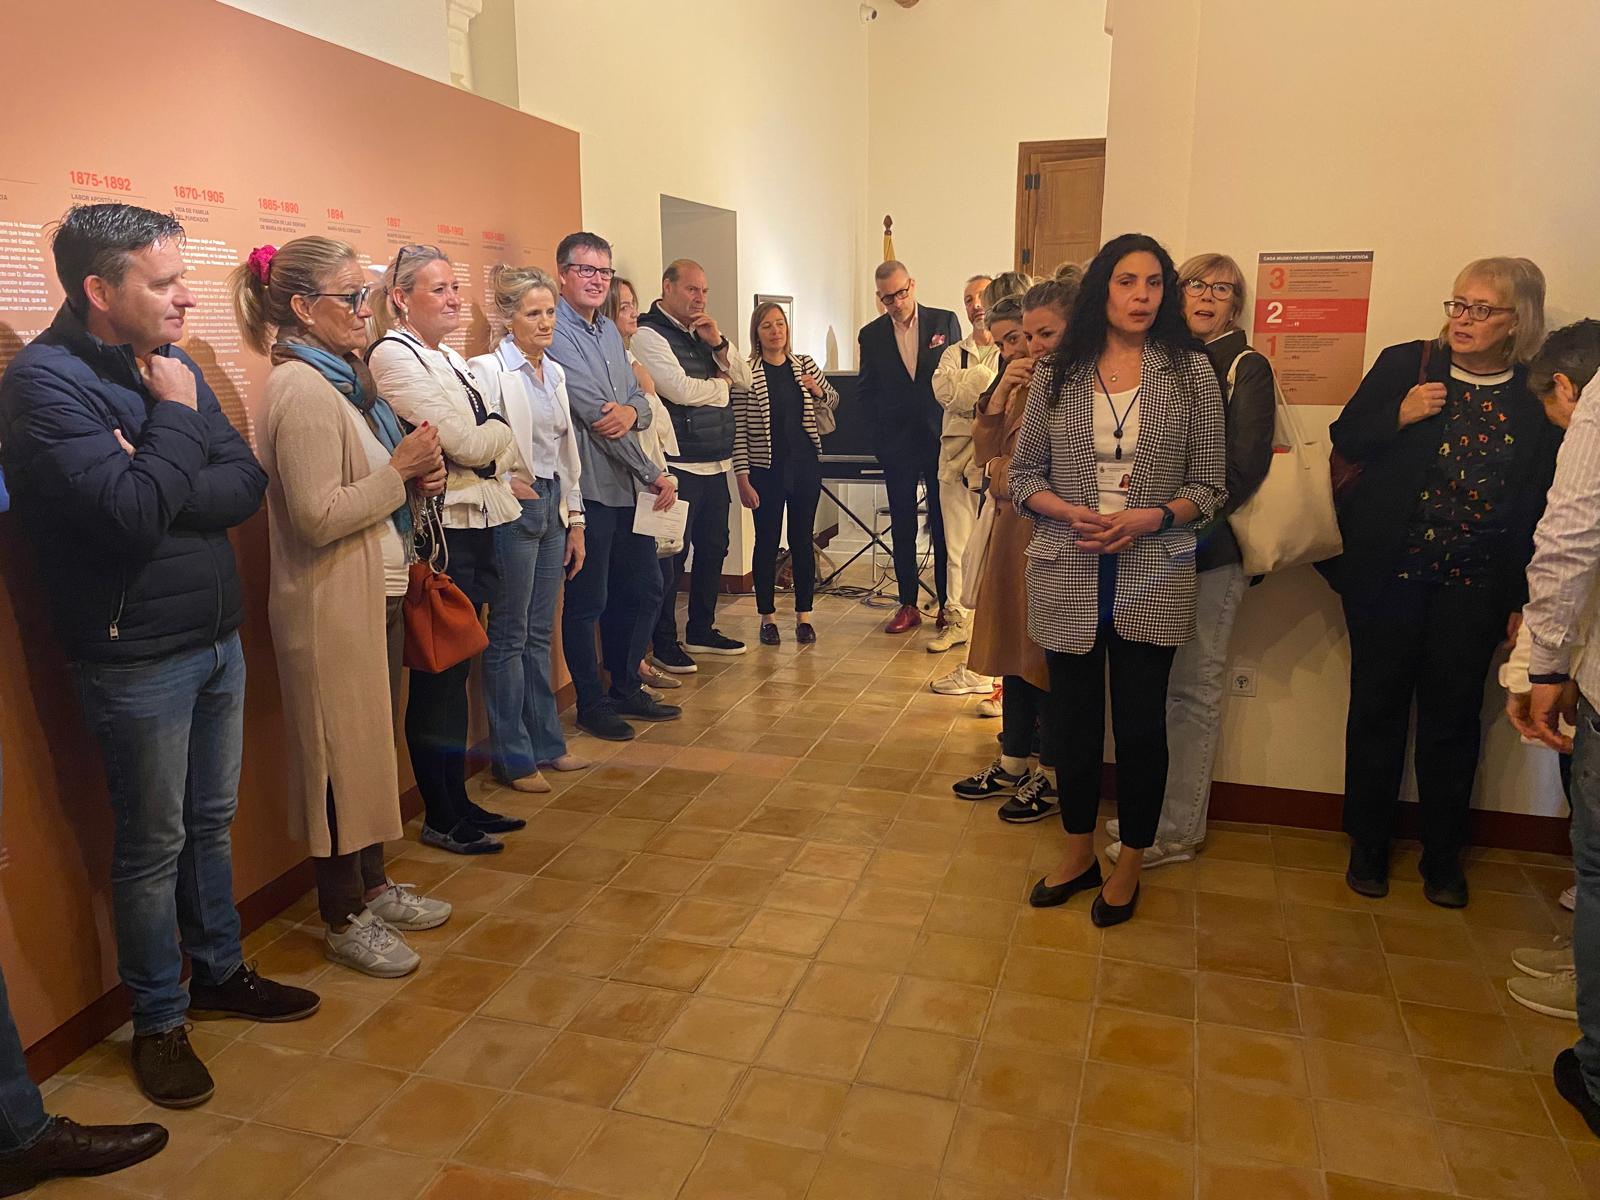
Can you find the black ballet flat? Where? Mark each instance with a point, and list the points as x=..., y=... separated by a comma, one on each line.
x=1106, y=915
x=1046, y=895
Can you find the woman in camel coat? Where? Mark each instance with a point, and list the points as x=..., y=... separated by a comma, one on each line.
x=339, y=521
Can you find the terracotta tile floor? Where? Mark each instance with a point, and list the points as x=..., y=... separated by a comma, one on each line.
x=762, y=952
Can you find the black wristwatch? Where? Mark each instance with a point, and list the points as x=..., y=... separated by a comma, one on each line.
x=720, y=346
x=1167, y=517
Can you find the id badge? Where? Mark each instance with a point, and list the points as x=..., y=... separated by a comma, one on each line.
x=1113, y=477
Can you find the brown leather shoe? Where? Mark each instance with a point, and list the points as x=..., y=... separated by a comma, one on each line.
x=67, y=1148
x=906, y=618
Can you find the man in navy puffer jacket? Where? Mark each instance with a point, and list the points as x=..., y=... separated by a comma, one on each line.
x=127, y=476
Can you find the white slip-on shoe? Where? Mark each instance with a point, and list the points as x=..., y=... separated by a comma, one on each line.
x=402, y=907
x=1158, y=855
x=371, y=947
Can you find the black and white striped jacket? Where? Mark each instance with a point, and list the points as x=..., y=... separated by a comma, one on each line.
x=1181, y=453
x=752, y=414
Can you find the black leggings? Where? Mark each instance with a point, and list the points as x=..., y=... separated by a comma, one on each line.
x=1023, y=709
x=797, y=487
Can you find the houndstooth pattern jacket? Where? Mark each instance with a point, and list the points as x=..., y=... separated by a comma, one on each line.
x=1181, y=453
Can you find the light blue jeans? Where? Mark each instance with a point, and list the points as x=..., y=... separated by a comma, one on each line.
x=1194, y=706
x=524, y=729
x=1586, y=862
x=172, y=733
x=22, y=1116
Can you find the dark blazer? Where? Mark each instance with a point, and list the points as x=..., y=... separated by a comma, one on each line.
x=1374, y=514
x=134, y=551
x=904, y=416
x=1251, y=415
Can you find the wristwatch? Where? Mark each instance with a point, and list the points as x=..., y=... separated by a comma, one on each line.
x=577, y=520
x=720, y=346
x=1167, y=517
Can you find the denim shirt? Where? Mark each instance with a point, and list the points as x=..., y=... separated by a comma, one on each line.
x=596, y=366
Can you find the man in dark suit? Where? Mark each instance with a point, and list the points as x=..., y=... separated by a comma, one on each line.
x=899, y=352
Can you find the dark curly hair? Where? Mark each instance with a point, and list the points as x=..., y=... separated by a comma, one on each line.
x=1087, y=328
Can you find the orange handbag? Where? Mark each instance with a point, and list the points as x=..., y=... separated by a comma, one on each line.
x=442, y=625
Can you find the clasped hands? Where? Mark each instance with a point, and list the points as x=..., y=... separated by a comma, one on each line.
x=1111, y=533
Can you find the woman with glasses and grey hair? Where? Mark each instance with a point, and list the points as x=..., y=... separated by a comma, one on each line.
x=429, y=383
x=342, y=475
x=1451, y=456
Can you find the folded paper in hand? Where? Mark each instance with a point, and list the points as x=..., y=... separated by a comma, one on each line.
x=669, y=524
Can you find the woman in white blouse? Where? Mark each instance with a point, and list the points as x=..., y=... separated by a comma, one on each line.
x=427, y=382
x=544, y=545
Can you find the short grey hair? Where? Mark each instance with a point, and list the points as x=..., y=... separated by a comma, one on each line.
x=972, y=279
x=886, y=269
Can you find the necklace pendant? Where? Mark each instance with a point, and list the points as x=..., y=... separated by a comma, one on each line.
x=1119, y=451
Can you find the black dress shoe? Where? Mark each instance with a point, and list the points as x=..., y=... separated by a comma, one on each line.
x=168, y=1070
x=67, y=1148
x=642, y=708
x=1105, y=914
x=769, y=634
x=1444, y=883
x=1048, y=895
x=805, y=634
x=493, y=822
x=1569, y=1082
x=602, y=722
x=1368, y=873
x=253, y=997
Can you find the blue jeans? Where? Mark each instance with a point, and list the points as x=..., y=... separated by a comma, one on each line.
x=171, y=732
x=1194, y=705
x=524, y=730
x=619, y=589
x=1586, y=862
x=22, y=1116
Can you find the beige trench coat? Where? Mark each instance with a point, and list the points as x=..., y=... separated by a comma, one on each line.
x=325, y=507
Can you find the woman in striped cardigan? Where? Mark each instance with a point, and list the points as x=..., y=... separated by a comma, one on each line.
x=775, y=456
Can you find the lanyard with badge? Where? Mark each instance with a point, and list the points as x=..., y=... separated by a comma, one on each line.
x=1116, y=475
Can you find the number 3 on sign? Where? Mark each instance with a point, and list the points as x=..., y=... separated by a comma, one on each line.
x=1277, y=279
x=1274, y=312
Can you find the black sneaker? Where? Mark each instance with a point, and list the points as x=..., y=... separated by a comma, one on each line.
x=712, y=642
x=769, y=634
x=1368, y=873
x=67, y=1148
x=492, y=822
x=642, y=708
x=253, y=997
x=672, y=658
x=1034, y=800
x=168, y=1070
x=1444, y=883
x=465, y=838
x=993, y=780
x=602, y=722
x=1569, y=1082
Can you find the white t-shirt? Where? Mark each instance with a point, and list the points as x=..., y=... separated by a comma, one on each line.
x=396, y=566
x=1113, y=473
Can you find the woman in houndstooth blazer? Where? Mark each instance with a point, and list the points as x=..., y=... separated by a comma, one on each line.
x=1121, y=451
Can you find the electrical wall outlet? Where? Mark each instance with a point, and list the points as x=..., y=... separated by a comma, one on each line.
x=1242, y=680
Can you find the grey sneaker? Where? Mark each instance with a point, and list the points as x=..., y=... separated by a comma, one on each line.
x=371, y=947
x=1554, y=996
x=1158, y=855
x=1542, y=963
x=401, y=907
x=1569, y=898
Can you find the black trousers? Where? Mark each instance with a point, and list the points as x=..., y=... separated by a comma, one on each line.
x=1431, y=644
x=437, y=711
x=1139, y=673
x=1024, y=708
x=901, y=474
x=707, y=536
x=796, y=487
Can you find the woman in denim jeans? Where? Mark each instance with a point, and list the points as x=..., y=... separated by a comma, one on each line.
x=543, y=546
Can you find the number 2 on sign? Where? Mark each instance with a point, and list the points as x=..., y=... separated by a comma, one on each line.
x=1274, y=312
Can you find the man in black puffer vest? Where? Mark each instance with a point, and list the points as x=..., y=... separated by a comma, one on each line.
x=694, y=366
x=127, y=476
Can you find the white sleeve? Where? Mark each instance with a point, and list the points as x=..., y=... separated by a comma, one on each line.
x=672, y=384
x=417, y=395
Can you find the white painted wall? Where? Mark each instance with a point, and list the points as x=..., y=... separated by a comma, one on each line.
x=406, y=33
x=1431, y=132
x=955, y=86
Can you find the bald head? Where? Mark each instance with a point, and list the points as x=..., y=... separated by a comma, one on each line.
x=684, y=290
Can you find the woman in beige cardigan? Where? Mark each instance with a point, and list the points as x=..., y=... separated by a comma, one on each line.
x=340, y=536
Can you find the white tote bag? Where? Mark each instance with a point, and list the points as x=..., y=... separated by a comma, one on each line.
x=976, y=555
x=1290, y=520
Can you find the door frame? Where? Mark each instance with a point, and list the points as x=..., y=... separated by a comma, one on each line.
x=1029, y=156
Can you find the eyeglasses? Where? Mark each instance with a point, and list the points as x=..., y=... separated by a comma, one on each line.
x=590, y=271
x=394, y=271
x=1478, y=312
x=894, y=297
x=1199, y=287
x=357, y=299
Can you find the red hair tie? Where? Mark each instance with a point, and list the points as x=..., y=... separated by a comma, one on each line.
x=260, y=261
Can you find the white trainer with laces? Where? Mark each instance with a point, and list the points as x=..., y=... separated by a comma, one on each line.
x=1543, y=962
x=952, y=635
x=962, y=682
x=1554, y=996
x=371, y=947
x=1158, y=855
x=401, y=907
x=994, y=704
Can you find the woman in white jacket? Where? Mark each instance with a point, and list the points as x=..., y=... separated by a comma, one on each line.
x=544, y=545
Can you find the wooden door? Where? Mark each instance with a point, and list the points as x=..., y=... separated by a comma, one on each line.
x=1060, y=189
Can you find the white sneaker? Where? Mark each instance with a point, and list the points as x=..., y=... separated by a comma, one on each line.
x=1114, y=829
x=371, y=947
x=1569, y=898
x=952, y=635
x=402, y=908
x=962, y=682
x=1160, y=854
x=994, y=705
x=1555, y=996
x=1541, y=963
